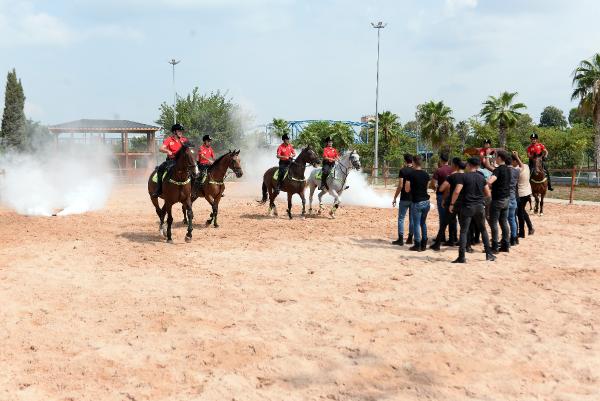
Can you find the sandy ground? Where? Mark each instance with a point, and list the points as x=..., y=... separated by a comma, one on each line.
x=98, y=307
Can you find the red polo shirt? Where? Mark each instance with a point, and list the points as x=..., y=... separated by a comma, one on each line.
x=206, y=151
x=174, y=144
x=535, y=149
x=330, y=152
x=285, y=151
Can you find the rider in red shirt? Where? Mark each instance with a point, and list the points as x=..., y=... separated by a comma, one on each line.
x=535, y=150
x=206, y=156
x=486, y=151
x=330, y=156
x=171, y=145
x=285, y=154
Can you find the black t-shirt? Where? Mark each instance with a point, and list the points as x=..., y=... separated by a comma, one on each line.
x=472, y=191
x=405, y=173
x=453, y=179
x=418, y=185
x=501, y=187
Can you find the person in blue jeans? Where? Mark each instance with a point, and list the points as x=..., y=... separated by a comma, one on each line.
x=417, y=187
x=405, y=202
x=513, y=204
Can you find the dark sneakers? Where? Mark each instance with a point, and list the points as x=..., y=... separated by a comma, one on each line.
x=416, y=247
x=409, y=240
x=399, y=242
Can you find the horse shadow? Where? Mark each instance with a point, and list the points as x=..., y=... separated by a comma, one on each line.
x=256, y=216
x=142, y=237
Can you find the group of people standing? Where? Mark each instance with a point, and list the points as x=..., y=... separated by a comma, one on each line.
x=492, y=188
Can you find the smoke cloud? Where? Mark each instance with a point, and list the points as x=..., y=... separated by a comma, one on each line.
x=76, y=180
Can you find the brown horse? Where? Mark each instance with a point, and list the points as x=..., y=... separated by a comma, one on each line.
x=213, y=187
x=176, y=188
x=539, y=185
x=293, y=183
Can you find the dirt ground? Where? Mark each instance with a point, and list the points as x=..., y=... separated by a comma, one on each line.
x=98, y=307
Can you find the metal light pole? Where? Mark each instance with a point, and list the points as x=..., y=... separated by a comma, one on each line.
x=379, y=26
x=173, y=62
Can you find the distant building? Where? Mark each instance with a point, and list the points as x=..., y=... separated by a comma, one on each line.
x=367, y=119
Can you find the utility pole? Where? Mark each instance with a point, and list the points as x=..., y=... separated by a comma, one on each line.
x=379, y=26
x=173, y=62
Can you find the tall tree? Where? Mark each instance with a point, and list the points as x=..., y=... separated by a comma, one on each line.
x=389, y=129
x=212, y=114
x=314, y=134
x=436, y=122
x=553, y=117
x=586, y=80
x=462, y=130
x=501, y=113
x=13, y=131
x=577, y=116
x=280, y=127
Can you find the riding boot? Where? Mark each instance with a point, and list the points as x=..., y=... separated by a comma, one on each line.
x=158, y=191
x=469, y=249
x=409, y=240
x=504, y=247
x=495, y=248
x=461, y=257
x=399, y=241
x=416, y=247
x=549, y=182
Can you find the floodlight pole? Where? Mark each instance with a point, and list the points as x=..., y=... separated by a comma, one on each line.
x=379, y=26
x=174, y=62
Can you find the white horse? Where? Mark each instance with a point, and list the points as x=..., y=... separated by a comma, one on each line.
x=336, y=181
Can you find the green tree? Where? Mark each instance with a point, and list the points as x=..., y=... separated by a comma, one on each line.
x=462, y=131
x=576, y=116
x=553, y=117
x=586, y=80
x=13, y=130
x=314, y=134
x=280, y=127
x=436, y=123
x=389, y=135
x=501, y=113
x=213, y=114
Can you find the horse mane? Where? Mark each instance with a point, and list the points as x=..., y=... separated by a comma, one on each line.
x=219, y=159
x=183, y=148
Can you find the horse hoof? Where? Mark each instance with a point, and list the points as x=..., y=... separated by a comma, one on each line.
x=169, y=241
x=188, y=239
x=216, y=226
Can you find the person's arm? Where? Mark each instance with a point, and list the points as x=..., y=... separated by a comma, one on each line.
x=407, y=187
x=164, y=149
x=398, y=190
x=455, y=195
x=492, y=179
x=545, y=153
x=487, y=192
x=517, y=158
x=487, y=164
x=433, y=181
x=444, y=188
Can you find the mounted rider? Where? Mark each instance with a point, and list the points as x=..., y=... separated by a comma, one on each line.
x=170, y=146
x=330, y=156
x=206, y=156
x=535, y=150
x=285, y=154
x=486, y=153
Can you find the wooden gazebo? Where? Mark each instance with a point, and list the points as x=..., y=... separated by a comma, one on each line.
x=95, y=131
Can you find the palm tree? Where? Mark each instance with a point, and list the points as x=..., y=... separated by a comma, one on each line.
x=436, y=122
x=280, y=127
x=586, y=79
x=389, y=128
x=501, y=113
x=462, y=129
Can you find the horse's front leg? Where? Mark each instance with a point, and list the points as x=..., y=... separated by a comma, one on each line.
x=169, y=223
x=542, y=204
x=216, y=211
x=190, y=219
x=303, y=203
x=272, y=206
x=184, y=210
x=310, y=198
x=320, y=196
x=211, y=202
x=289, y=209
x=336, y=203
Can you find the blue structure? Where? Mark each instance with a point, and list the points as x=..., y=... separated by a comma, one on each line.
x=297, y=126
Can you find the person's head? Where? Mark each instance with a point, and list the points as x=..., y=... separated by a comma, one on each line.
x=444, y=158
x=408, y=159
x=456, y=163
x=473, y=164
x=328, y=141
x=534, y=138
x=417, y=161
x=207, y=140
x=514, y=161
x=177, y=129
x=487, y=144
x=285, y=138
x=502, y=157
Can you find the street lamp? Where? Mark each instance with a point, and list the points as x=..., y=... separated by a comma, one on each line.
x=173, y=62
x=379, y=26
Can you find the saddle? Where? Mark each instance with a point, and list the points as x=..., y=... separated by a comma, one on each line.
x=276, y=174
x=155, y=176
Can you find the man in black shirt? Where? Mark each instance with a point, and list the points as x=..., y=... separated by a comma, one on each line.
x=405, y=202
x=447, y=189
x=474, y=189
x=417, y=187
x=500, y=184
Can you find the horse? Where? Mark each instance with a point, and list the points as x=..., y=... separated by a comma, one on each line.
x=293, y=183
x=214, y=185
x=176, y=187
x=336, y=181
x=539, y=185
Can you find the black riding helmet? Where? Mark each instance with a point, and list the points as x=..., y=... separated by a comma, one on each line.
x=328, y=139
x=177, y=127
x=206, y=138
x=285, y=137
x=533, y=136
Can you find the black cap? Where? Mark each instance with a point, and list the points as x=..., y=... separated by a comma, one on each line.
x=533, y=136
x=177, y=127
x=328, y=139
x=285, y=137
x=206, y=138
x=487, y=141
x=474, y=161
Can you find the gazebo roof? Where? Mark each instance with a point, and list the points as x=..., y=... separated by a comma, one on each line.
x=88, y=125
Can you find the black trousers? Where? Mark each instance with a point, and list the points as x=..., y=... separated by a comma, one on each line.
x=522, y=215
x=165, y=166
x=475, y=214
x=327, y=166
x=499, y=216
x=284, y=165
x=449, y=220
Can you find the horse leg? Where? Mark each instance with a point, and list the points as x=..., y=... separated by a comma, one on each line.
x=336, y=203
x=190, y=219
x=542, y=204
x=169, y=223
x=320, y=196
x=310, y=197
x=163, y=213
x=215, y=212
x=303, y=203
x=535, y=208
x=184, y=210
x=212, y=208
x=272, y=207
x=289, y=209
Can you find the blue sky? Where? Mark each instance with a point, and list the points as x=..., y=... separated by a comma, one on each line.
x=292, y=59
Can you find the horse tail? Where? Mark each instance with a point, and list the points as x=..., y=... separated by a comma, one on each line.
x=264, y=193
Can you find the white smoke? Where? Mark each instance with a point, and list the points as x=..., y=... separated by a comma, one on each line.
x=73, y=181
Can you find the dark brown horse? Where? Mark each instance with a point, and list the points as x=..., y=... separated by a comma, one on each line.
x=539, y=185
x=176, y=188
x=213, y=187
x=294, y=182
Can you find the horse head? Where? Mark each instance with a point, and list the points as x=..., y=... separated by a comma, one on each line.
x=235, y=163
x=308, y=156
x=188, y=155
x=355, y=160
x=538, y=167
